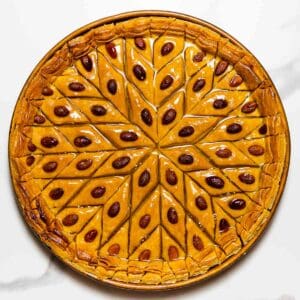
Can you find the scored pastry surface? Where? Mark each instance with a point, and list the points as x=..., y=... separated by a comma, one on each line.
x=149, y=152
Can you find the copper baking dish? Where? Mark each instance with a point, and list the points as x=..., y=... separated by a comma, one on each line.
x=126, y=16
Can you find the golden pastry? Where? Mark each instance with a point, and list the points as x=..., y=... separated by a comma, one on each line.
x=149, y=153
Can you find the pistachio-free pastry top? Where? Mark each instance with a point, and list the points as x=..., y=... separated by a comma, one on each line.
x=150, y=152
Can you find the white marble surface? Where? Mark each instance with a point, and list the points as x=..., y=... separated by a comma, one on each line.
x=270, y=29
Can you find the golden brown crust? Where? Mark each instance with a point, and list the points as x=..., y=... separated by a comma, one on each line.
x=250, y=72
x=229, y=51
x=168, y=268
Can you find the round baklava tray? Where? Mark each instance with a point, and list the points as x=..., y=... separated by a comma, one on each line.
x=149, y=150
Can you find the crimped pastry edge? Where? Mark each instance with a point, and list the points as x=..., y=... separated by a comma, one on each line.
x=54, y=68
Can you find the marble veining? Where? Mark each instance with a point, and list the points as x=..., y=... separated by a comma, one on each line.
x=28, y=282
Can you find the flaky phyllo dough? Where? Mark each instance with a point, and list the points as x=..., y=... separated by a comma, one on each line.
x=149, y=152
